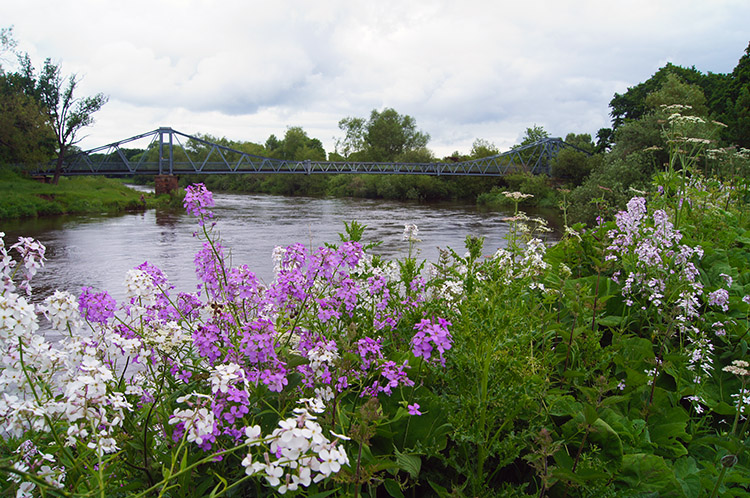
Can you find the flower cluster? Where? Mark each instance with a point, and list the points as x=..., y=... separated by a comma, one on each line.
x=32, y=255
x=431, y=336
x=324, y=330
x=299, y=454
x=655, y=263
x=197, y=199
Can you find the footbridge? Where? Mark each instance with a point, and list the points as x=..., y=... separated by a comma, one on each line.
x=170, y=152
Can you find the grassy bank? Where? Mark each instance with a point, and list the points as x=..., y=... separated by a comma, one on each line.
x=21, y=197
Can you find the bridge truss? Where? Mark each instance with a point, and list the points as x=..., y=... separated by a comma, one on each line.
x=171, y=152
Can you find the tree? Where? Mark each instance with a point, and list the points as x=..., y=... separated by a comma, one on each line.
x=483, y=148
x=385, y=137
x=533, y=134
x=354, y=139
x=296, y=146
x=605, y=139
x=25, y=137
x=580, y=140
x=67, y=114
x=632, y=105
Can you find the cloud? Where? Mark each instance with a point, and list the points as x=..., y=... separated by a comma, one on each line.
x=463, y=70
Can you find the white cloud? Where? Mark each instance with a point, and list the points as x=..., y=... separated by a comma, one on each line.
x=463, y=70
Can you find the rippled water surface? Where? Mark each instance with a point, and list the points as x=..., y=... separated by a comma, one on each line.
x=98, y=250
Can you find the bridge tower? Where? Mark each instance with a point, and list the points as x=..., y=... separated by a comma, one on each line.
x=165, y=181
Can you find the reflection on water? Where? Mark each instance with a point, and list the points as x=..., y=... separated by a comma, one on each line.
x=97, y=251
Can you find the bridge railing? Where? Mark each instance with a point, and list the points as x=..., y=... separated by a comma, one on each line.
x=162, y=156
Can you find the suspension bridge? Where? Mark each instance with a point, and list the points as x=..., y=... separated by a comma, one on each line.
x=170, y=153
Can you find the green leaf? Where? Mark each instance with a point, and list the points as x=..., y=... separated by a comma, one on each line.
x=608, y=440
x=589, y=414
x=563, y=406
x=410, y=463
x=645, y=473
x=610, y=321
x=667, y=429
x=686, y=473
x=441, y=491
x=393, y=488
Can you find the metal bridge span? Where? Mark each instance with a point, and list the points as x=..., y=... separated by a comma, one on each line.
x=166, y=154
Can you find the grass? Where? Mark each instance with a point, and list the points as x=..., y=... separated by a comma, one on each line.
x=22, y=197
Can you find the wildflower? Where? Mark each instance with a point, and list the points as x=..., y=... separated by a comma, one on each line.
x=739, y=368
x=197, y=199
x=61, y=308
x=410, y=233
x=96, y=307
x=431, y=335
x=32, y=253
x=414, y=409
x=743, y=399
x=517, y=196
x=719, y=298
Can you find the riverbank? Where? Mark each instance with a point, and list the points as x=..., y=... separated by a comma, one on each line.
x=22, y=197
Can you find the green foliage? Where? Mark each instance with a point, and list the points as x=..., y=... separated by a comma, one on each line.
x=483, y=148
x=609, y=186
x=296, y=145
x=573, y=166
x=386, y=136
x=21, y=197
x=533, y=134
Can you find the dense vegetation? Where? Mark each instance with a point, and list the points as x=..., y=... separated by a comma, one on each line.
x=611, y=364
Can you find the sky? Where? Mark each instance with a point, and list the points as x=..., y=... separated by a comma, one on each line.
x=464, y=70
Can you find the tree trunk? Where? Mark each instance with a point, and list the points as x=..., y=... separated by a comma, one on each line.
x=58, y=168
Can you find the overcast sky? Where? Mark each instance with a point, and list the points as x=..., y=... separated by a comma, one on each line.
x=464, y=69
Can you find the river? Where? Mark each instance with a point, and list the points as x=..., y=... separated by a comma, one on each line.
x=97, y=251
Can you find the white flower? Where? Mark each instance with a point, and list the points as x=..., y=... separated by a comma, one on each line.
x=222, y=376
x=61, y=308
x=140, y=285
x=410, y=233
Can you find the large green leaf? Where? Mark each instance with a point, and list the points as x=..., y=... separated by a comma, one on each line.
x=667, y=431
x=645, y=473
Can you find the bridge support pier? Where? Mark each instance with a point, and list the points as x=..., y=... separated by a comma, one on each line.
x=164, y=184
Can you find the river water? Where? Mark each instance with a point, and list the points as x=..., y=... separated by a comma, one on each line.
x=97, y=251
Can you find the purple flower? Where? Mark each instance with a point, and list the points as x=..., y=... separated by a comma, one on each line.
x=431, y=335
x=414, y=409
x=719, y=298
x=96, y=306
x=197, y=199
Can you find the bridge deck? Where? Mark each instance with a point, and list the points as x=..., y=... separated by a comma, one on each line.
x=162, y=157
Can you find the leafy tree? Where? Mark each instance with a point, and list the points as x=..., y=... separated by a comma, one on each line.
x=581, y=140
x=483, y=148
x=646, y=132
x=384, y=137
x=533, y=134
x=67, y=114
x=737, y=114
x=605, y=138
x=25, y=137
x=354, y=138
x=632, y=105
x=296, y=145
